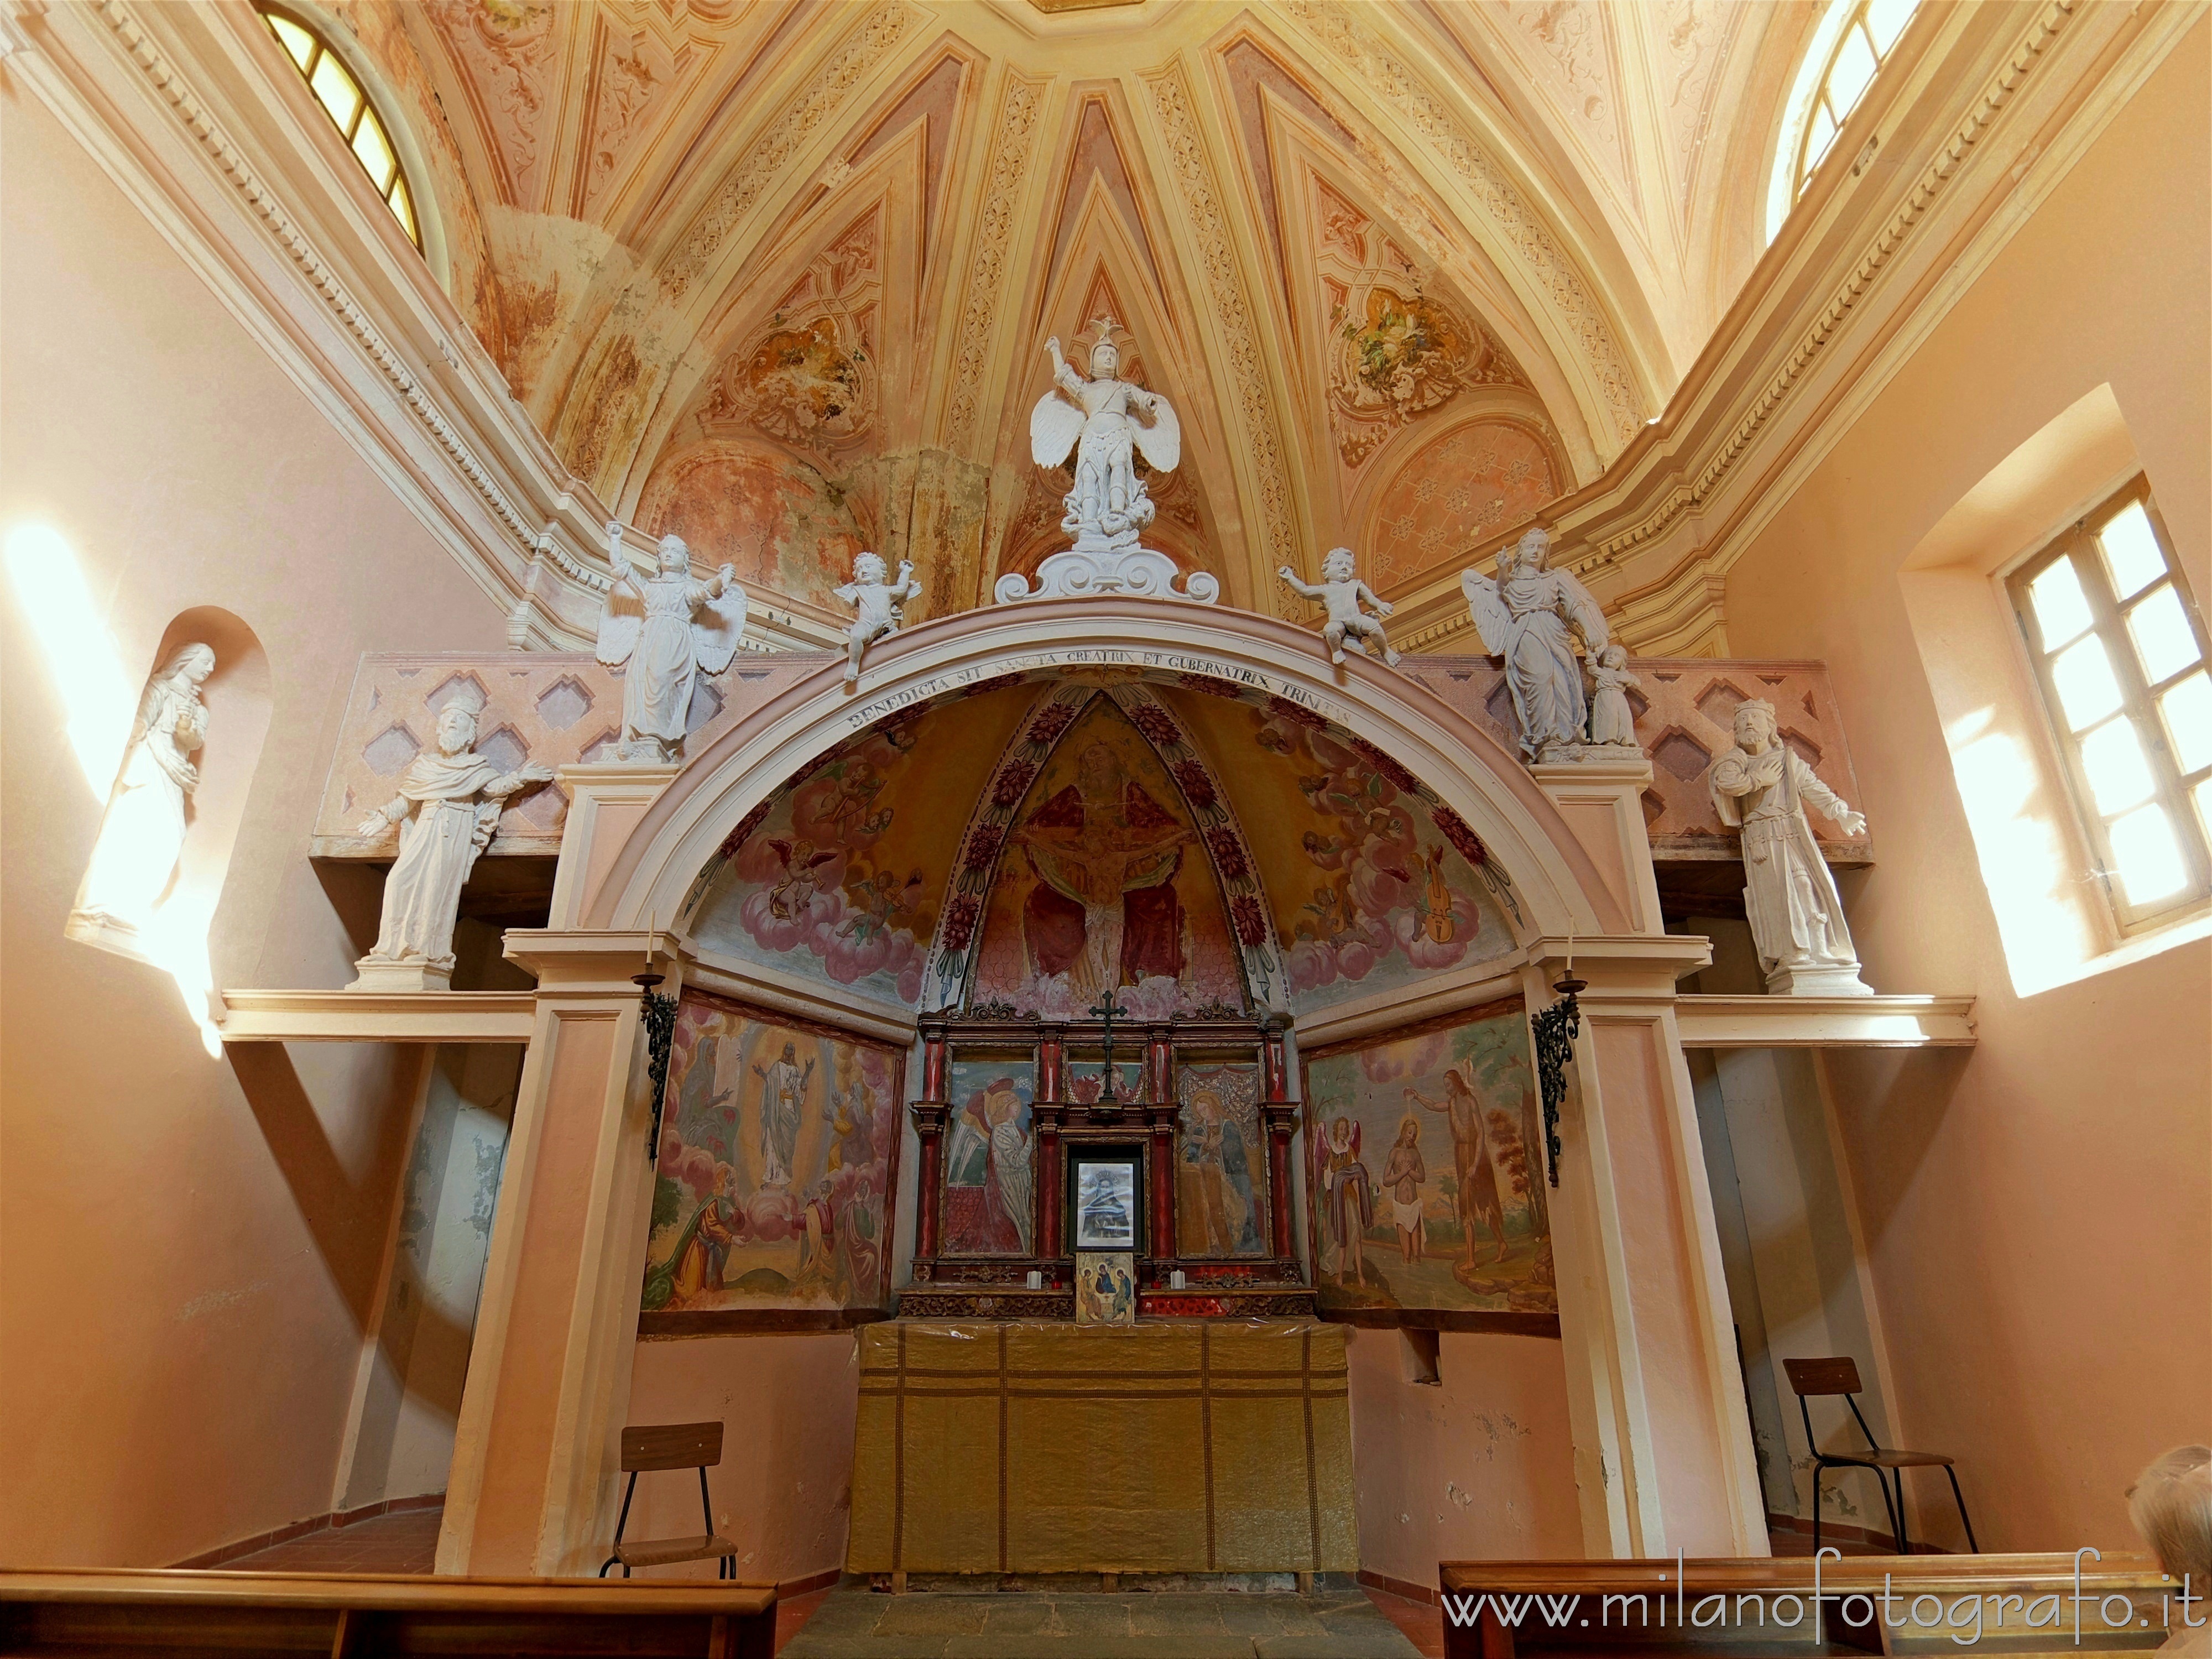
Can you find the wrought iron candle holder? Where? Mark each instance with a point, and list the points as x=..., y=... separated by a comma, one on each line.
x=1556, y=1027
x=658, y=1013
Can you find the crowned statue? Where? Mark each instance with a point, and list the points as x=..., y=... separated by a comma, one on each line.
x=1530, y=616
x=668, y=628
x=1106, y=422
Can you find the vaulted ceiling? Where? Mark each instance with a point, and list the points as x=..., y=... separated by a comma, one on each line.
x=779, y=276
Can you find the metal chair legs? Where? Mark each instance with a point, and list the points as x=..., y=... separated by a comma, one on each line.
x=1959, y=1498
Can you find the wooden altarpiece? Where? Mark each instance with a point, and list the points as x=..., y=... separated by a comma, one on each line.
x=1146, y=1120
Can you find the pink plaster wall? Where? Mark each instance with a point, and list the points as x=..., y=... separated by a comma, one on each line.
x=1479, y=1466
x=2038, y=1211
x=189, y=1249
x=784, y=1490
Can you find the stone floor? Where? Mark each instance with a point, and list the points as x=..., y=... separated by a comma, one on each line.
x=854, y=1622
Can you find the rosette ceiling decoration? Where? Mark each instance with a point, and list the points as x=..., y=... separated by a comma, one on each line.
x=779, y=277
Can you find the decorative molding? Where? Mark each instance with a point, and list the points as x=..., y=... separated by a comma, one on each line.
x=1009, y=167
x=1397, y=84
x=377, y=1015
x=1874, y=1022
x=856, y=57
x=163, y=75
x=1240, y=337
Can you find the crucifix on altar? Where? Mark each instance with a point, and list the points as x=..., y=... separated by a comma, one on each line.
x=1108, y=1011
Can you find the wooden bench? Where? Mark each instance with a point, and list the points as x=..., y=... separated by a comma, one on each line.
x=1742, y=1608
x=251, y=1615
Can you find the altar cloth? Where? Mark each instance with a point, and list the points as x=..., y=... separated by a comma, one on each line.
x=1051, y=1447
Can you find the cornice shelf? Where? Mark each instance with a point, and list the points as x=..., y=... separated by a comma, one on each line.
x=378, y=1016
x=1876, y=1022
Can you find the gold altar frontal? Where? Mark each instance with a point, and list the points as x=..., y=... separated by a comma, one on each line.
x=1036, y=1447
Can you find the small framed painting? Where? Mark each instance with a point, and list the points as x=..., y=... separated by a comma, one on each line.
x=1105, y=1213
x=1105, y=1287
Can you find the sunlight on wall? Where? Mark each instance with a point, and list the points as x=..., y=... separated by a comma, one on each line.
x=102, y=700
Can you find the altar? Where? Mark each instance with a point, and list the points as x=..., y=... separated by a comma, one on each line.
x=1042, y=1447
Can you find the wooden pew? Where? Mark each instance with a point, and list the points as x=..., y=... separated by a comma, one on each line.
x=247, y=1615
x=1741, y=1608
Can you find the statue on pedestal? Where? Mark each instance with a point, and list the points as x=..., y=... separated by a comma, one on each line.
x=448, y=804
x=668, y=628
x=1530, y=616
x=876, y=604
x=1612, y=720
x=1342, y=594
x=142, y=834
x=1797, y=918
x=1106, y=422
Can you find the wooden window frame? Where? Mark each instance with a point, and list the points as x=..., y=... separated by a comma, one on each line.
x=1801, y=170
x=2138, y=702
x=401, y=186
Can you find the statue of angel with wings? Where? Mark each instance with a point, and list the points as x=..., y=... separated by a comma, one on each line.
x=1530, y=616
x=1107, y=422
x=668, y=628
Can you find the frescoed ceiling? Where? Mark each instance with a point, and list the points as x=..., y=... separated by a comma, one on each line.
x=778, y=275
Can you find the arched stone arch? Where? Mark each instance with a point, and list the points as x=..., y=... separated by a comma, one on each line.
x=1561, y=889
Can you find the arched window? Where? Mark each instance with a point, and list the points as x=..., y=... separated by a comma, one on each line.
x=1849, y=48
x=339, y=91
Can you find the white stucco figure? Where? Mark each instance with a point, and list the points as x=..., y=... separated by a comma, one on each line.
x=1762, y=786
x=876, y=604
x=1612, y=720
x=669, y=628
x=1342, y=594
x=1530, y=616
x=1106, y=422
x=448, y=804
x=142, y=834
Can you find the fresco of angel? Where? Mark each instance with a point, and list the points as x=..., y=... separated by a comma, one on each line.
x=1107, y=422
x=1530, y=616
x=668, y=629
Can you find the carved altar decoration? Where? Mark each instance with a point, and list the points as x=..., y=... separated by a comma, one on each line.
x=1425, y=1185
x=1107, y=424
x=777, y=1174
x=1796, y=917
x=1530, y=614
x=667, y=630
x=447, y=804
x=142, y=834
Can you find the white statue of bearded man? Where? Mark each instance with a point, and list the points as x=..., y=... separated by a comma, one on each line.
x=668, y=628
x=1108, y=421
x=1529, y=616
x=1797, y=919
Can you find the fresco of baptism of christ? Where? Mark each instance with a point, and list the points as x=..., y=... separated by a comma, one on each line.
x=990, y=1160
x=1425, y=1188
x=779, y=1151
x=1104, y=885
x=1221, y=1163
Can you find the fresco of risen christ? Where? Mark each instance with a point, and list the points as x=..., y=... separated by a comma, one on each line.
x=1104, y=910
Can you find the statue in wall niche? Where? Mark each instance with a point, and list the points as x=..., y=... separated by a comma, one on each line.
x=876, y=604
x=1612, y=720
x=448, y=804
x=1762, y=785
x=668, y=628
x=1342, y=594
x=1530, y=616
x=142, y=835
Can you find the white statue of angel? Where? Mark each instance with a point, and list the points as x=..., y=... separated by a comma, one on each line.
x=877, y=603
x=1530, y=616
x=667, y=628
x=1108, y=421
x=1342, y=594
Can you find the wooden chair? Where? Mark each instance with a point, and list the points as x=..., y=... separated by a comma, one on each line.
x=673, y=1446
x=1840, y=1375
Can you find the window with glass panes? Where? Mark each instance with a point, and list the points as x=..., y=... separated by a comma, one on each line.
x=1860, y=50
x=2120, y=650
x=339, y=92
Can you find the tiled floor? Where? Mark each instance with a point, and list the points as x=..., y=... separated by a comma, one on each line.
x=854, y=1622
x=406, y=1542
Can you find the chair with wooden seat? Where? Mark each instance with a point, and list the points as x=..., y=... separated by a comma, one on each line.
x=672, y=1446
x=1840, y=1375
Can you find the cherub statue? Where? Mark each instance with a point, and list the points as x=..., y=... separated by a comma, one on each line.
x=668, y=628
x=1108, y=421
x=1529, y=616
x=877, y=603
x=447, y=806
x=1612, y=720
x=1343, y=594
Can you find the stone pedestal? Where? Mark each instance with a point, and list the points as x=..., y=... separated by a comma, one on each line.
x=1838, y=982
x=371, y=974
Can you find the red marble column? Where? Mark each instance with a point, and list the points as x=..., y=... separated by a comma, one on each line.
x=930, y=1113
x=1281, y=1114
x=1160, y=1110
